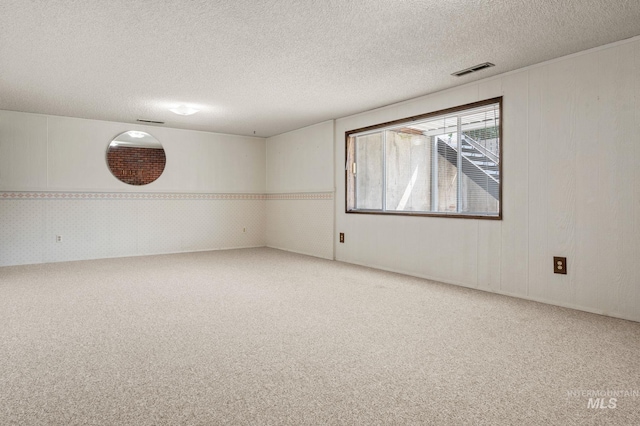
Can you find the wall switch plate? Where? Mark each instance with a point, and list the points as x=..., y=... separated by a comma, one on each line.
x=560, y=265
x=342, y=237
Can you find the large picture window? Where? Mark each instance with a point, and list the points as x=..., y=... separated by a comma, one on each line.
x=445, y=163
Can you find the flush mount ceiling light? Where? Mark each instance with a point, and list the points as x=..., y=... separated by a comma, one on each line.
x=183, y=110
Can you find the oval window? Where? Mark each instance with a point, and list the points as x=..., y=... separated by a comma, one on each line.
x=136, y=158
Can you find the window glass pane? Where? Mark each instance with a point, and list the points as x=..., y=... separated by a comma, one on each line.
x=408, y=160
x=480, y=143
x=447, y=174
x=445, y=140
x=368, y=178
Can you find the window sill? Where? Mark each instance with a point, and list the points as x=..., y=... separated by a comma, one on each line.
x=429, y=214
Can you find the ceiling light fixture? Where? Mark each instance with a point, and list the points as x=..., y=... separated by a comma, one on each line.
x=183, y=110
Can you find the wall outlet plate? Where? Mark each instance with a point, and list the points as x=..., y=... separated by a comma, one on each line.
x=560, y=265
x=342, y=237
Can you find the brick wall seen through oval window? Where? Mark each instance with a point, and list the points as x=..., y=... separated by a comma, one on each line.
x=136, y=166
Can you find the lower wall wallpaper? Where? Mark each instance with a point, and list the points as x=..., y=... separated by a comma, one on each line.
x=40, y=227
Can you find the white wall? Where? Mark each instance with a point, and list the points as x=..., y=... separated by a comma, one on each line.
x=54, y=181
x=570, y=188
x=40, y=153
x=299, y=180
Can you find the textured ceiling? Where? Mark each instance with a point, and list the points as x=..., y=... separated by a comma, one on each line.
x=269, y=66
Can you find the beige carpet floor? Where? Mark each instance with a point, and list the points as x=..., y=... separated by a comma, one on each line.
x=266, y=337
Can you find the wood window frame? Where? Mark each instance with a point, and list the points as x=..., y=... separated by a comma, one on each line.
x=349, y=180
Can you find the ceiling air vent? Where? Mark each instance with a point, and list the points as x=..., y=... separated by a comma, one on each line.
x=149, y=121
x=473, y=69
